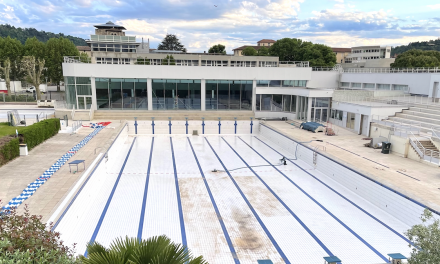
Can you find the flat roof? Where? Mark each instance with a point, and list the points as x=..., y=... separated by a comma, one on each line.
x=109, y=25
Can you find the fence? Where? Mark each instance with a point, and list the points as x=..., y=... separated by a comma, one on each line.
x=17, y=97
x=392, y=70
x=403, y=127
x=401, y=100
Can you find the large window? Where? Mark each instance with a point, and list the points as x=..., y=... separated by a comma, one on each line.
x=383, y=86
x=337, y=114
x=368, y=85
x=276, y=103
x=228, y=95
x=176, y=94
x=283, y=83
x=400, y=87
x=121, y=94
x=79, y=92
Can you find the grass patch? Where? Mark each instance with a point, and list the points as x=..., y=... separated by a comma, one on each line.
x=6, y=130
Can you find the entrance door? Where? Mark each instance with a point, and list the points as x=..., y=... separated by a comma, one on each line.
x=364, y=125
x=435, y=92
x=84, y=102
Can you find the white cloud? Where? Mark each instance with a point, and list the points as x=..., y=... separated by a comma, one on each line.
x=436, y=6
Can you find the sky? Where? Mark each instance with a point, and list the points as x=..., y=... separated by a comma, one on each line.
x=199, y=24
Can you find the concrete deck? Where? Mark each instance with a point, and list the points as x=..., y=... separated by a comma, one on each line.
x=416, y=180
x=17, y=174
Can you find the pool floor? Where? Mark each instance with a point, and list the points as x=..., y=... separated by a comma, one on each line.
x=185, y=187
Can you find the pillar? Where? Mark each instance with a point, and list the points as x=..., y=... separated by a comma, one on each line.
x=93, y=86
x=297, y=106
x=254, y=95
x=203, y=94
x=309, y=109
x=150, y=93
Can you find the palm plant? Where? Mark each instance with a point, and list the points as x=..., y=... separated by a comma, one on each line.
x=155, y=250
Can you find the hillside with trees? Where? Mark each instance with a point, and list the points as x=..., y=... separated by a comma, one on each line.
x=424, y=45
x=22, y=34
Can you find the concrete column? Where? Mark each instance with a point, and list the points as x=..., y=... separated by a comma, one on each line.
x=200, y=60
x=297, y=106
x=309, y=109
x=254, y=96
x=150, y=93
x=94, y=101
x=203, y=94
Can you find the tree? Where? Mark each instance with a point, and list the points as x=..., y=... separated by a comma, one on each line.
x=34, y=72
x=263, y=51
x=34, y=47
x=6, y=69
x=153, y=250
x=426, y=240
x=219, y=48
x=288, y=49
x=169, y=60
x=171, y=42
x=249, y=51
x=12, y=49
x=56, y=49
x=25, y=238
x=417, y=58
x=84, y=58
x=142, y=61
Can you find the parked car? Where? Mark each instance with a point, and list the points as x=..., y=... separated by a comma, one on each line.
x=30, y=89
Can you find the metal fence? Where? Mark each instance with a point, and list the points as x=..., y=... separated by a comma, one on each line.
x=392, y=70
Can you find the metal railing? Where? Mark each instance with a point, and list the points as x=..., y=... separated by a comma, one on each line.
x=402, y=100
x=426, y=154
x=204, y=62
x=392, y=70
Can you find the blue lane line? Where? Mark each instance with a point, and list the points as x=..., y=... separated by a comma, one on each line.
x=285, y=205
x=357, y=172
x=322, y=207
x=144, y=201
x=85, y=182
x=217, y=212
x=280, y=251
x=343, y=197
x=179, y=202
x=101, y=219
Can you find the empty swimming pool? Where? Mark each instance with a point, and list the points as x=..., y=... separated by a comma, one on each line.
x=230, y=199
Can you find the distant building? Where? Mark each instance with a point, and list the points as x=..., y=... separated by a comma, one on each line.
x=85, y=49
x=369, y=56
x=341, y=54
x=262, y=43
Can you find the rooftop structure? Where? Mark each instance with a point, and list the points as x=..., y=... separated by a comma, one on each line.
x=262, y=43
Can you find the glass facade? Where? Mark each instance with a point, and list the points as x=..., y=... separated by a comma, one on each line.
x=176, y=94
x=228, y=95
x=121, y=94
x=276, y=103
x=320, y=109
x=79, y=92
x=284, y=83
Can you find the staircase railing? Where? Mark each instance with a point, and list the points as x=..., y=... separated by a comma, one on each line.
x=426, y=154
x=72, y=114
x=434, y=134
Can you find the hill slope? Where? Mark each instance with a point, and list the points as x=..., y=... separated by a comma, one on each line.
x=424, y=45
x=22, y=34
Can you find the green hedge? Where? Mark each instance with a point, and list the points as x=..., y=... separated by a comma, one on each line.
x=39, y=132
x=9, y=150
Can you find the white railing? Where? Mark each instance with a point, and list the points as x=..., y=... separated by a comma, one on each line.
x=404, y=126
x=72, y=114
x=392, y=70
x=434, y=133
x=77, y=59
x=402, y=100
x=426, y=154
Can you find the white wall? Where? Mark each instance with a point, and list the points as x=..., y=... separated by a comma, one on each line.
x=419, y=83
x=16, y=84
x=324, y=80
x=266, y=114
x=185, y=72
x=362, y=110
x=404, y=209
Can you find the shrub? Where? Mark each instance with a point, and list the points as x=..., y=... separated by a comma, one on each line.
x=39, y=132
x=9, y=149
x=27, y=239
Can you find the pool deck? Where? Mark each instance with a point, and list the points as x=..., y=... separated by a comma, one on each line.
x=424, y=190
x=17, y=174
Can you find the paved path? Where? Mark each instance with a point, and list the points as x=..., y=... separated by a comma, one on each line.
x=17, y=174
x=425, y=189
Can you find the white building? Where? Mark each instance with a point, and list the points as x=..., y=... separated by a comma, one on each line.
x=260, y=86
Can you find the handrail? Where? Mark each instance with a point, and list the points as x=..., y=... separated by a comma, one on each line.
x=72, y=114
x=434, y=133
